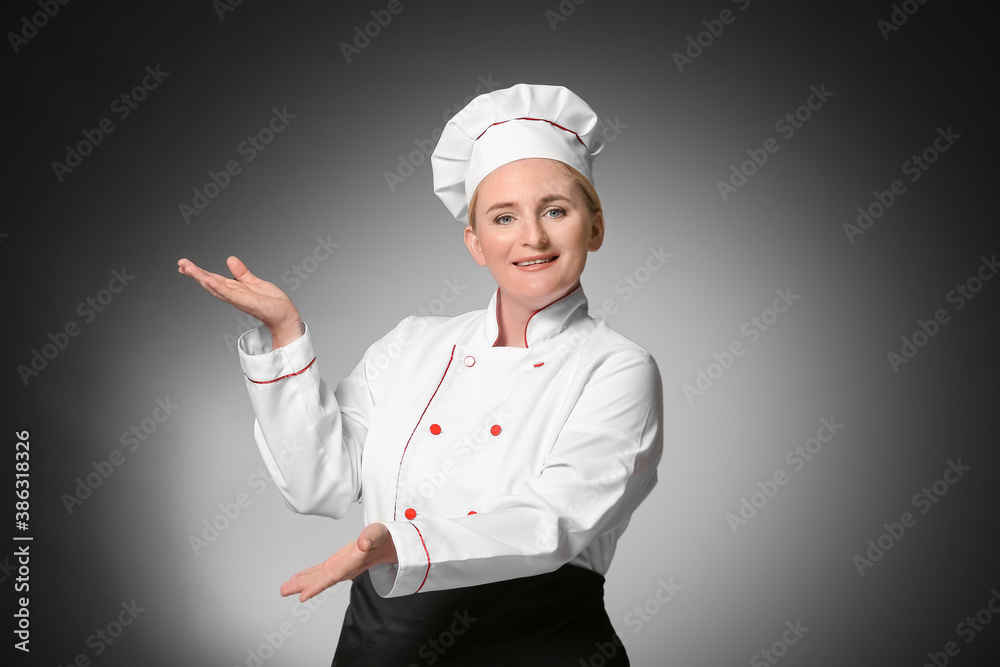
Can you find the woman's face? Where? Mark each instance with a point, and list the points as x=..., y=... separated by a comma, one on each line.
x=531, y=210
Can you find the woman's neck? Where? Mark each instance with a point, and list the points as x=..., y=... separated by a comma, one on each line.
x=512, y=319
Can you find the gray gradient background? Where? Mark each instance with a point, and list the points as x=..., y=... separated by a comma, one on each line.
x=324, y=176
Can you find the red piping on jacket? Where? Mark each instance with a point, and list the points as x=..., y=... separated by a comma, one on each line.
x=543, y=308
x=428, y=571
x=496, y=316
x=529, y=316
x=400, y=472
x=284, y=376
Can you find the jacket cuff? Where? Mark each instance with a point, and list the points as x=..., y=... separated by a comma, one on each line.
x=261, y=364
x=409, y=574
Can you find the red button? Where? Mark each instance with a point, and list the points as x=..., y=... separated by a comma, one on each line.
x=472, y=512
x=470, y=361
x=410, y=513
x=495, y=430
x=435, y=429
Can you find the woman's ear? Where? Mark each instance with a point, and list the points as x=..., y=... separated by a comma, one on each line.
x=596, y=232
x=472, y=243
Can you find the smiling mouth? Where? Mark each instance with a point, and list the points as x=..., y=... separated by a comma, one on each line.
x=532, y=262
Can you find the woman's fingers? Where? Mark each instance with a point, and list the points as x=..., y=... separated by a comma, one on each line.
x=240, y=271
x=189, y=268
x=301, y=581
x=375, y=542
x=316, y=579
x=213, y=283
x=373, y=546
x=245, y=291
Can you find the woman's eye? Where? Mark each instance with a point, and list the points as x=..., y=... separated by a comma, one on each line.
x=504, y=219
x=555, y=213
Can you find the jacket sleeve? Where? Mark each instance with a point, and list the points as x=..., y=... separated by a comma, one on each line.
x=311, y=437
x=602, y=465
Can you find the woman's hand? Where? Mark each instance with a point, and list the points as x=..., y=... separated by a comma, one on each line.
x=255, y=297
x=373, y=546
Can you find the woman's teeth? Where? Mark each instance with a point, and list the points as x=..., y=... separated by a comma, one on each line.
x=534, y=261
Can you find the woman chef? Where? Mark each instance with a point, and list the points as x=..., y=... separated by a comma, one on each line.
x=499, y=454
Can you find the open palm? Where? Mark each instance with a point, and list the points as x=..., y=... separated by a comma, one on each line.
x=255, y=297
x=373, y=547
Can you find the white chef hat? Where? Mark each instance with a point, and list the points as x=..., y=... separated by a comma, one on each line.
x=523, y=121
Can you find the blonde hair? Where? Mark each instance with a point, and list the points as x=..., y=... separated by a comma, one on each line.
x=589, y=192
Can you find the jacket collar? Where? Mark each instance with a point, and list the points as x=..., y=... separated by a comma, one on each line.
x=543, y=324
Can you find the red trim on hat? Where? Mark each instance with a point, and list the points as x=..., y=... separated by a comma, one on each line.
x=400, y=472
x=428, y=571
x=284, y=376
x=539, y=119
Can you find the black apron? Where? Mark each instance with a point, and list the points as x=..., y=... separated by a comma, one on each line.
x=546, y=620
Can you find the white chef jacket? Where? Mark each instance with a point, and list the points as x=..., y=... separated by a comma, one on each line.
x=485, y=463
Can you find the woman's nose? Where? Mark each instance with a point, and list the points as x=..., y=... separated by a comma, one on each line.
x=534, y=234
